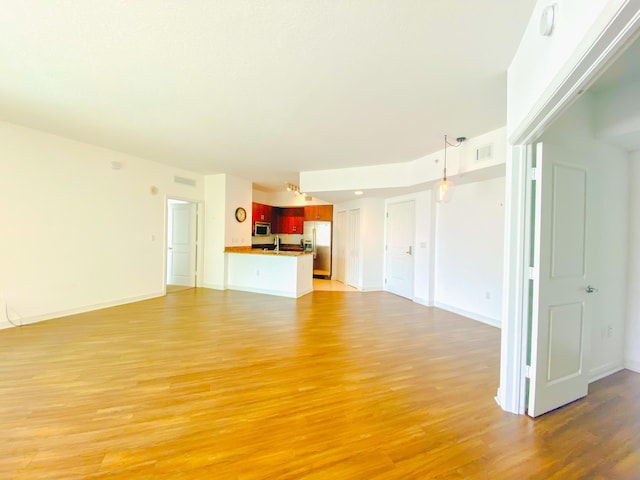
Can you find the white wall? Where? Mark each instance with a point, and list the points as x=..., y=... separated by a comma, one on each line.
x=461, y=162
x=607, y=233
x=541, y=64
x=469, y=251
x=285, y=199
x=223, y=194
x=424, y=248
x=238, y=193
x=77, y=234
x=214, y=231
x=632, y=326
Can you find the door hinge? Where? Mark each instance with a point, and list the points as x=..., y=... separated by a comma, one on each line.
x=527, y=371
x=532, y=273
x=385, y=281
x=535, y=174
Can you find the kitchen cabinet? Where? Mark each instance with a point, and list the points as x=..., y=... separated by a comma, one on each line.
x=318, y=212
x=261, y=213
x=290, y=220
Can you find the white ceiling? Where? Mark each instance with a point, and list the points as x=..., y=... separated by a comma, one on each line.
x=260, y=89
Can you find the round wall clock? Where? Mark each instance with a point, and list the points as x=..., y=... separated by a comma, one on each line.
x=241, y=214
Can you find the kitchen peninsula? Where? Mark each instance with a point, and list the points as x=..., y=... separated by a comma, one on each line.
x=282, y=273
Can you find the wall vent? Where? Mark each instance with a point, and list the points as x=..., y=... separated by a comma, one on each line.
x=184, y=180
x=484, y=153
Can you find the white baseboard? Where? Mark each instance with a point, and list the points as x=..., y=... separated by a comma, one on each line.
x=494, y=322
x=604, y=371
x=423, y=301
x=633, y=365
x=214, y=286
x=74, y=311
x=265, y=291
x=371, y=288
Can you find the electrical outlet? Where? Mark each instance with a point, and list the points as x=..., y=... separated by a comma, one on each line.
x=487, y=295
x=609, y=331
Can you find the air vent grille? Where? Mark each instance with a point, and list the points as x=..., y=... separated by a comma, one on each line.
x=484, y=153
x=184, y=181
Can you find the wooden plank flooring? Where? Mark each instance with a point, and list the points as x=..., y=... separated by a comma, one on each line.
x=204, y=384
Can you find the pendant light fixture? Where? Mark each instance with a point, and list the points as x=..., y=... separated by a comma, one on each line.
x=445, y=185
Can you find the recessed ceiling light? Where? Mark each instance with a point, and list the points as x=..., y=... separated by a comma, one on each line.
x=358, y=192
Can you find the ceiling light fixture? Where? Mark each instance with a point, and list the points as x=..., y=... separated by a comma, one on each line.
x=445, y=185
x=293, y=188
x=358, y=192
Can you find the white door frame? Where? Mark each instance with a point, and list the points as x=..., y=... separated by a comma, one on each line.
x=199, y=238
x=605, y=44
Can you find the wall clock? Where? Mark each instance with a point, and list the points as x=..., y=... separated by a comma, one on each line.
x=241, y=214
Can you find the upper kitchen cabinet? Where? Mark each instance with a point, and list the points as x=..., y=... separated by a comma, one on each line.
x=318, y=212
x=261, y=213
x=291, y=220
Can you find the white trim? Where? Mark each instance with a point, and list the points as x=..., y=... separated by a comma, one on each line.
x=265, y=291
x=632, y=365
x=373, y=289
x=87, y=308
x=605, y=40
x=423, y=301
x=604, y=371
x=214, y=286
x=494, y=322
x=511, y=394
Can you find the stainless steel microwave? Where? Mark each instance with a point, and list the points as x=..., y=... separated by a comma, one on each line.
x=262, y=229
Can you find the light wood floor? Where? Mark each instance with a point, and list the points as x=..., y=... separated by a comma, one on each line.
x=322, y=285
x=177, y=288
x=204, y=384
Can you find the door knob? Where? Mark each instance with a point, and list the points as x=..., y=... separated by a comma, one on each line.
x=591, y=289
x=408, y=251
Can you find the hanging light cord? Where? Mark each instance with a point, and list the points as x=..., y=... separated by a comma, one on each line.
x=459, y=141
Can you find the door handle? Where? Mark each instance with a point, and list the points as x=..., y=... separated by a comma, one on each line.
x=408, y=251
x=591, y=289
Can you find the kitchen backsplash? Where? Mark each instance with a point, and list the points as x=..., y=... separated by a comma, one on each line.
x=288, y=239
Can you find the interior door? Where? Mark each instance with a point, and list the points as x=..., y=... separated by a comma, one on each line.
x=560, y=301
x=181, y=254
x=341, y=246
x=399, y=264
x=353, y=266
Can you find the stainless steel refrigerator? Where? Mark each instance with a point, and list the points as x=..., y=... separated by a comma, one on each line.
x=317, y=239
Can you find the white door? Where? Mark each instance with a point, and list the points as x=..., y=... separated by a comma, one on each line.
x=560, y=301
x=181, y=244
x=341, y=246
x=399, y=263
x=353, y=265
